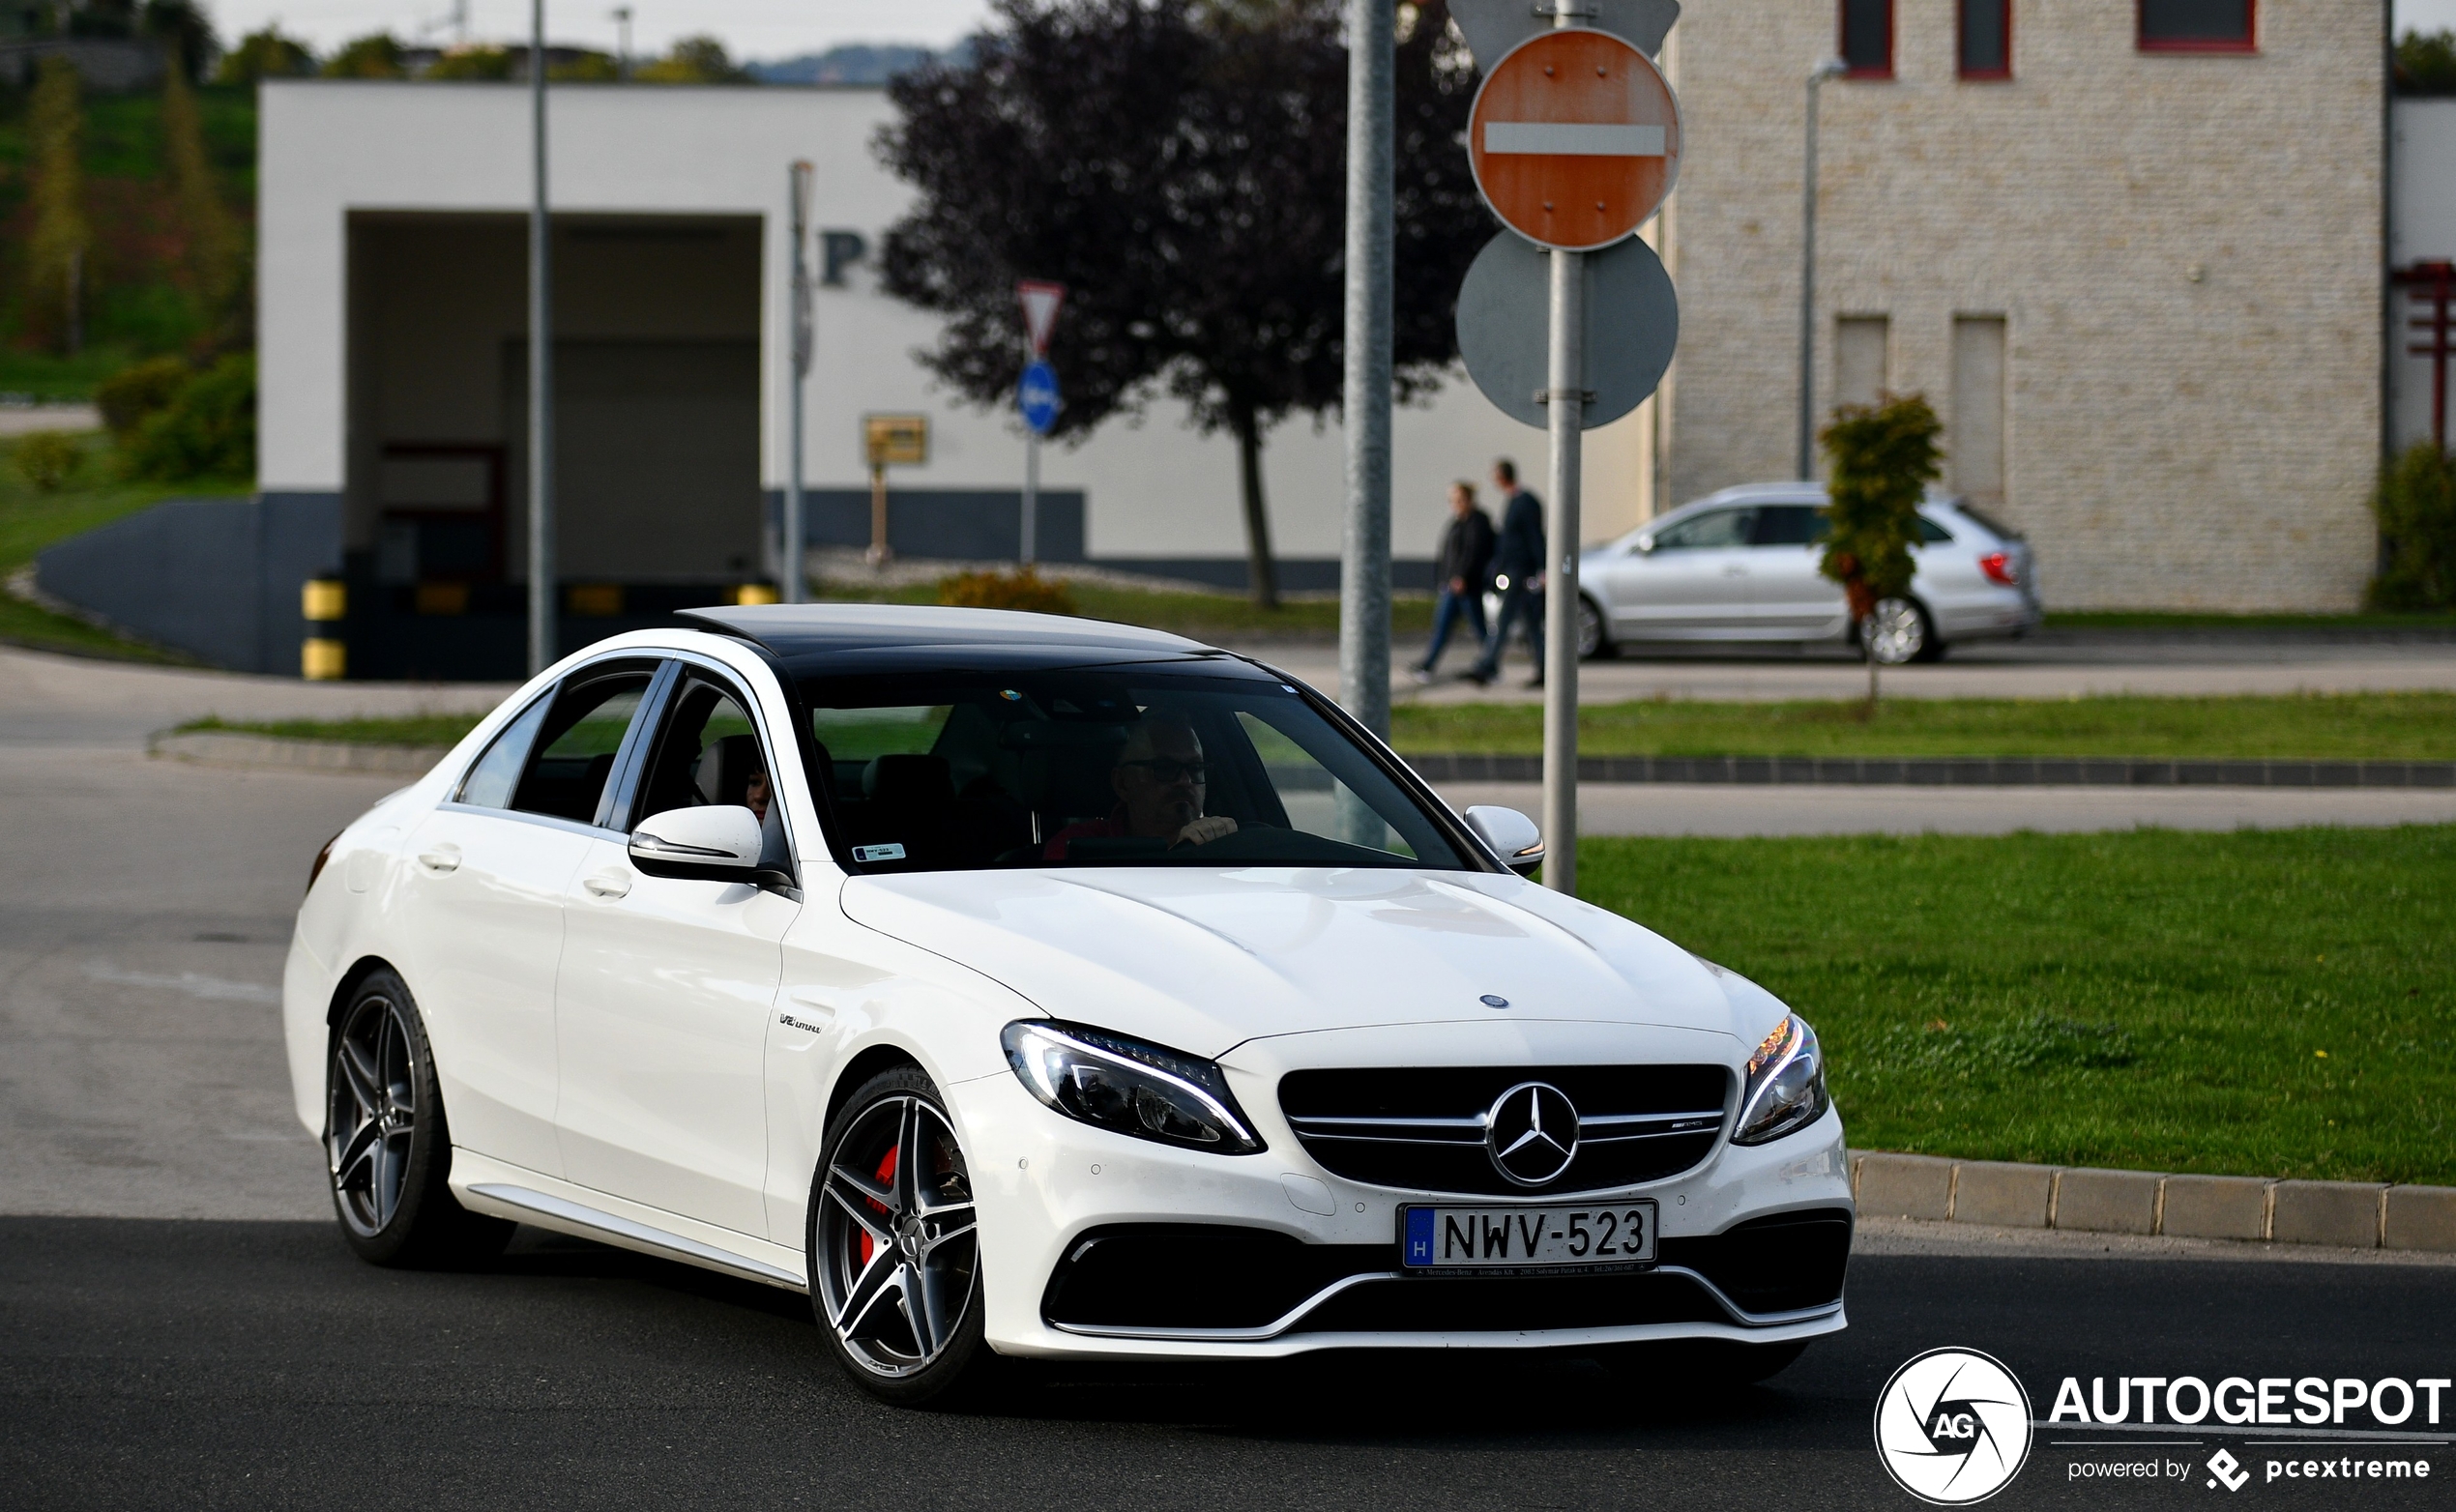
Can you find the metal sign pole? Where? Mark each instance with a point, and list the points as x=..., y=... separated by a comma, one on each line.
x=1565, y=397
x=541, y=565
x=1031, y=496
x=793, y=572
x=1365, y=536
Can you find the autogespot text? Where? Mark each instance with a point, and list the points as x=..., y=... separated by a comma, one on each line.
x=2309, y=1400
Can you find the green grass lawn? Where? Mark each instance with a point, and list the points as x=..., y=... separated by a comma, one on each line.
x=2347, y=726
x=425, y=729
x=31, y=520
x=2257, y=1003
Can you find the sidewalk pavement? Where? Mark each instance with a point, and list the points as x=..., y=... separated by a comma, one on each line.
x=1738, y=809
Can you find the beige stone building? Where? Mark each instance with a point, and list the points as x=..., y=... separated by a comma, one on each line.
x=2131, y=249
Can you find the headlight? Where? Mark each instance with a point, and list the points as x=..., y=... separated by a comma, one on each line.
x=1126, y=1087
x=1786, y=1085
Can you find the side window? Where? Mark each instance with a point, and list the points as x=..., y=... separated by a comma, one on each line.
x=709, y=752
x=493, y=776
x=1713, y=528
x=576, y=745
x=1789, y=524
x=1931, y=534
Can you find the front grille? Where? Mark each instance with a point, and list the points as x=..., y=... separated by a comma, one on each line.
x=1422, y=1128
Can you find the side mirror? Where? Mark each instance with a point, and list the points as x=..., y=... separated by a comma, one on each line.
x=719, y=843
x=1644, y=545
x=1511, y=834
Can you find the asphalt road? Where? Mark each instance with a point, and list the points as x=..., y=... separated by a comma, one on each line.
x=180, y=1326
x=205, y=1364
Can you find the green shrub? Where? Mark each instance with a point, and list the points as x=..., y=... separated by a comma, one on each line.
x=1021, y=588
x=49, y=458
x=2416, y=508
x=209, y=430
x=142, y=389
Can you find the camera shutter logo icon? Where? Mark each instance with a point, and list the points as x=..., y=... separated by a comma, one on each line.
x=1952, y=1427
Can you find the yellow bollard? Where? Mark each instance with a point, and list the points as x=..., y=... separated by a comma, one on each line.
x=322, y=660
x=323, y=598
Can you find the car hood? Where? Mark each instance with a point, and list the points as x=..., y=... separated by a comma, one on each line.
x=1203, y=960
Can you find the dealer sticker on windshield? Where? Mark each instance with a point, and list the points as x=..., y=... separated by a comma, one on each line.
x=1585, y=1237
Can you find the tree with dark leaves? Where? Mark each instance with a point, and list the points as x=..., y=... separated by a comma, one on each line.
x=1180, y=166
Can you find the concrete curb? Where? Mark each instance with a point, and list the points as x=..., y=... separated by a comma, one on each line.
x=231, y=748
x=2009, y=1195
x=1947, y=771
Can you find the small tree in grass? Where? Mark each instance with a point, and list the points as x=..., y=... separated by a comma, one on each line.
x=1883, y=455
x=2417, y=507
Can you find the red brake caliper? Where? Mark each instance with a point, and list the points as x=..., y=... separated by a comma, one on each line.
x=886, y=1179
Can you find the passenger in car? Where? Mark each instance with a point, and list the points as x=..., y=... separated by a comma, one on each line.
x=1160, y=781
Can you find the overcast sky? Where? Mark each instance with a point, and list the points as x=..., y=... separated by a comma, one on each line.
x=749, y=28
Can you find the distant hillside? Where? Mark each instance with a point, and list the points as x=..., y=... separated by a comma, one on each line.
x=851, y=63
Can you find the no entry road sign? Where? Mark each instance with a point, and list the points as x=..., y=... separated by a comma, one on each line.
x=1575, y=138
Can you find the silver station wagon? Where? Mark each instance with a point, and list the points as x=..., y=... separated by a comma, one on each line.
x=1741, y=566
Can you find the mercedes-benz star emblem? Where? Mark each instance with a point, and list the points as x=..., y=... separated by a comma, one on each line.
x=1531, y=1133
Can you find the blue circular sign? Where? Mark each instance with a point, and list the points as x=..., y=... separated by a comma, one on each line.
x=1037, y=396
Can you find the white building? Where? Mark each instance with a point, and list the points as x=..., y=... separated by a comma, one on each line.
x=393, y=347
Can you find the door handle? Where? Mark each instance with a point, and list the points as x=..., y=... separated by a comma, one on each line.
x=608, y=884
x=1735, y=569
x=441, y=858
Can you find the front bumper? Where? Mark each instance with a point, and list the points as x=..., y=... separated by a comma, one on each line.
x=1096, y=1245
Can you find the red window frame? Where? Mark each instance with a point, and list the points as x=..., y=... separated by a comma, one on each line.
x=2250, y=41
x=1842, y=41
x=1961, y=20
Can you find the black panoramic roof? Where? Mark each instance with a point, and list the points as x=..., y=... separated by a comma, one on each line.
x=845, y=638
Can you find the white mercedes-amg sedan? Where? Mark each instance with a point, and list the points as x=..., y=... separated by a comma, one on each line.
x=1030, y=987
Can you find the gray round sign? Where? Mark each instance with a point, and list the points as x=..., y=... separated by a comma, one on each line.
x=1632, y=324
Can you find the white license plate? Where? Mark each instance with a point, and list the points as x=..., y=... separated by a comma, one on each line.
x=1521, y=1238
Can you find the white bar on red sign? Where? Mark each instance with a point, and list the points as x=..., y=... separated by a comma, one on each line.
x=1574, y=139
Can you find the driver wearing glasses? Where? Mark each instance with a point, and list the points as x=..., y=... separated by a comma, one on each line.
x=1158, y=778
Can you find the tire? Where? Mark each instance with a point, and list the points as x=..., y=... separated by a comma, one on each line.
x=896, y=1263
x=1900, y=630
x=387, y=1146
x=1594, y=639
x=1688, y=1366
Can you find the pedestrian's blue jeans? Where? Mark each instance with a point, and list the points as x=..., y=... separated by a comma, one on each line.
x=1518, y=606
x=1448, y=608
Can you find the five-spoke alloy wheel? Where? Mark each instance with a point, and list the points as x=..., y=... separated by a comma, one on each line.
x=894, y=1255
x=375, y=1117
x=385, y=1140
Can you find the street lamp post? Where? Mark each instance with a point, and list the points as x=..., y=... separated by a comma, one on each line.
x=1830, y=67
x=542, y=562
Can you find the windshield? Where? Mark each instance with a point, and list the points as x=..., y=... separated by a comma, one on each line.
x=957, y=771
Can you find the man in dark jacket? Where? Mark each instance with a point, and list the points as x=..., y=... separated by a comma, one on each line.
x=1518, y=572
x=1462, y=569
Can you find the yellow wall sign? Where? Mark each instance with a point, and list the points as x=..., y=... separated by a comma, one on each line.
x=895, y=440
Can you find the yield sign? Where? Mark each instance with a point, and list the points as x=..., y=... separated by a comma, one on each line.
x=1575, y=138
x=1041, y=302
